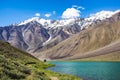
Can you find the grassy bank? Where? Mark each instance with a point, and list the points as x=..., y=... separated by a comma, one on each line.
x=18, y=65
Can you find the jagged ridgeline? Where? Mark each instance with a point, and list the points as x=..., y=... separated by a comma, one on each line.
x=57, y=39
x=18, y=65
x=100, y=42
x=40, y=34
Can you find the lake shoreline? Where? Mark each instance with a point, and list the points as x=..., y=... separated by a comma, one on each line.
x=88, y=70
x=80, y=61
x=60, y=76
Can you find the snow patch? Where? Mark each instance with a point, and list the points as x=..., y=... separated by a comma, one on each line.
x=101, y=15
x=29, y=20
x=37, y=19
x=47, y=41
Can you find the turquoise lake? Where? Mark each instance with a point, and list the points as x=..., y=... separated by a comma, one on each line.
x=89, y=70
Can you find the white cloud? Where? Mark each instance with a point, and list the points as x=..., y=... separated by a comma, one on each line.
x=78, y=7
x=37, y=14
x=54, y=12
x=48, y=15
x=71, y=13
x=74, y=6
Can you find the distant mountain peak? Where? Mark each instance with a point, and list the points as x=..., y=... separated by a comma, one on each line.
x=102, y=15
x=36, y=32
x=37, y=19
x=29, y=20
x=47, y=23
x=83, y=23
x=98, y=17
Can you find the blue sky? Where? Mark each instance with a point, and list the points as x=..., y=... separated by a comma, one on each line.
x=15, y=11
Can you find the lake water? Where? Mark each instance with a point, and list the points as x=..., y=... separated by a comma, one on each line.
x=89, y=70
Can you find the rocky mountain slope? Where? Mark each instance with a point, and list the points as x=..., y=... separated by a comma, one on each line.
x=34, y=35
x=39, y=36
x=99, y=40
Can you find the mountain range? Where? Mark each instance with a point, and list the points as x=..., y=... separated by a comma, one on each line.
x=76, y=38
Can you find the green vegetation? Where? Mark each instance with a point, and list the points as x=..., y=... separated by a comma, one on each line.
x=18, y=65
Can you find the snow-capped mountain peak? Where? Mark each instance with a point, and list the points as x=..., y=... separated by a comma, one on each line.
x=37, y=19
x=99, y=16
x=102, y=15
x=29, y=20
x=47, y=23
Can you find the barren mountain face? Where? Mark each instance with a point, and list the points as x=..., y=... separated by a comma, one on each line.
x=56, y=39
x=100, y=41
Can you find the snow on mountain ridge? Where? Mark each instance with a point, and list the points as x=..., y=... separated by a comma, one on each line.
x=102, y=15
x=37, y=19
x=58, y=23
x=29, y=20
x=48, y=23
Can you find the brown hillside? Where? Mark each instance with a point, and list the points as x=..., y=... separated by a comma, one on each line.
x=87, y=41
